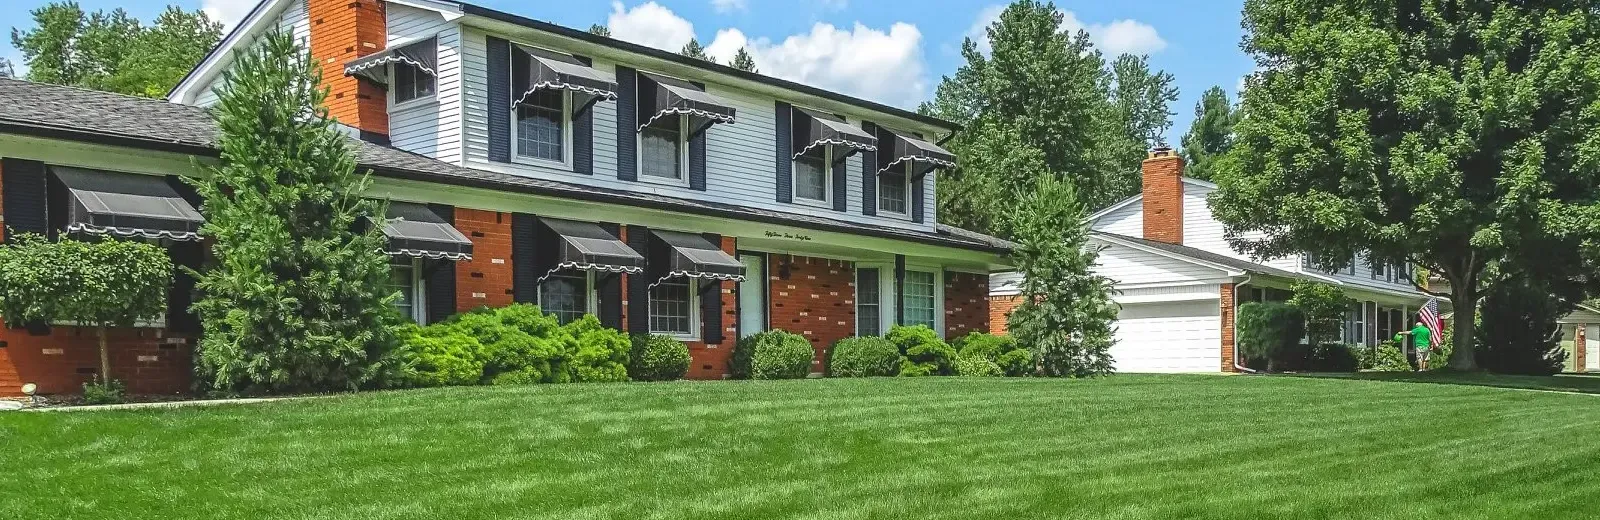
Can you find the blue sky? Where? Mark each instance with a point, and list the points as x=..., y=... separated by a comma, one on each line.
x=876, y=49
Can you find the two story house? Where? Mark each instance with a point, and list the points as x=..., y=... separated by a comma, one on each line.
x=1179, y=282
x=529, y=162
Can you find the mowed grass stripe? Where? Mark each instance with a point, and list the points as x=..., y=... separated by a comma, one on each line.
x=1127, y=446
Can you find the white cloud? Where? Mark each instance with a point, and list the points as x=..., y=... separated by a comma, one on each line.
x=229, y=12
x=728, y=6
x=1117, y=37
x=886, y=66
x=651, y=25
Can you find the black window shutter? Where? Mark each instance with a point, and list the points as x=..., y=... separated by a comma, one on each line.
x=841, y=184
x=583, y=135
x=25, y=192
x=440, y=284
x=899, y=289
x=711, y=304
x=639, y=284
x=499, y=90
x=524, y=257
x=181, y=295
x=869, y=175
x=697, y=155
x=785, y=154
x=627, y=124
x=608, y=286
x=916, y=200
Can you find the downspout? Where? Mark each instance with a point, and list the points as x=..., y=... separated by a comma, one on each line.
x=1236, y=366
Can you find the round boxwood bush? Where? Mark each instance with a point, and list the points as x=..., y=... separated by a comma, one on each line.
x=657, y=358
x=1002, y=351
x=925, y=354
x=977, y=366
x=869, y=356
x=780, y=355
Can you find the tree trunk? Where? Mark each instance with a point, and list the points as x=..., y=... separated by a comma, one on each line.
x=1464, y=298
x=105, y=356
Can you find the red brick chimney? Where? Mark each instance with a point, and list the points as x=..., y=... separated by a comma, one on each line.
x=343, y=30
x=1163, y=196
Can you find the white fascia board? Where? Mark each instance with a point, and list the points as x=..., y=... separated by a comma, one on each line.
x=1231, y=272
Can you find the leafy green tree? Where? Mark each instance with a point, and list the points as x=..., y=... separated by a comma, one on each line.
x=1323, y=307
x=111, y=51
x=1066, y=313
x=1270, y=331
x=742, y=60
x=6, y=70
x=694, y=50
x=297, y=300
x=105, y=283
x=1520, y=334
x=1210, y=136
x=1456, y=135
x=600, y=30
x=1141, y=100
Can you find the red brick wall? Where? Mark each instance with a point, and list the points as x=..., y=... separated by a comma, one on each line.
x=343, y=30
x=146, y=360
x=1163, y=197
x=1227, y=328
x=812, y=297
x=966, y=304
x=1000, y=312
x=710, y=360
x=1580, y=350
x=486, y=279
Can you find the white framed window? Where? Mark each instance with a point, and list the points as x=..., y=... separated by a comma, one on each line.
x=405, y=277
x=1355, y=324
x=410, y=85
x=919, y=302
x=568, y=295
x=664, y=150
x=675, y=307
x=894, y=190
x=813, y=176
x=542, y=127
x=869, y=301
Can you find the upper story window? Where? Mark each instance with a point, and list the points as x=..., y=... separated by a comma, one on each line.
x=549, y=88
x=411, y=83
x=663, y=149
x=408, y=69
x=542, y=124
x=813, y=175
x=821, y=141
x=903, y=159
x=894, y=190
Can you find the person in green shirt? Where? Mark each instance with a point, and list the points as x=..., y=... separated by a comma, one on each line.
x=1422, y=340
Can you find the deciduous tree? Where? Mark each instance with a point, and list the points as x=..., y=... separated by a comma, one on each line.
x=1457, y=135
x=111, y=51
x=1210, y=136
x=298, y=299
x=1141, y=101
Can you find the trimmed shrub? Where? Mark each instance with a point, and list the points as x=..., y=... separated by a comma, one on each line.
x=108, y=392
x=922, y=347
x=516, y=344
x=780, y=355
x=602, y=353
x=439, y=356
x=1002, y=351
x=977, y=366
x=868, y=356
x=741, y=361
x=1271, y=331
x=657, y=358
x=1331, y=357
x=1390, y=359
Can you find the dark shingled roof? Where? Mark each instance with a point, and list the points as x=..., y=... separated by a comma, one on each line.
x=71, y=113
x=1203, y=255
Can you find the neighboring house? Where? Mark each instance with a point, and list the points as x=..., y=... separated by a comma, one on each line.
x=534, y=163
x=1179, y=282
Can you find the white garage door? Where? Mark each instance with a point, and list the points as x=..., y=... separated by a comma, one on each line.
x=1169, y=337
x=1592, y=337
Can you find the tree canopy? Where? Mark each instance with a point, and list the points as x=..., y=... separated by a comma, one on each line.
x=1463, y=136
x=1210, y=136
x=112, y=51
x=694, y=50
x=742, y=60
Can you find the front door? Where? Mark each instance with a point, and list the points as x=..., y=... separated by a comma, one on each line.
x=753, y=294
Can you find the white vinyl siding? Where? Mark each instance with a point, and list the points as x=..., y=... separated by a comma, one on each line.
x=1127, y=221
x=1129, y=266
x=740, y=157
x=429, y=128
x=293, y=21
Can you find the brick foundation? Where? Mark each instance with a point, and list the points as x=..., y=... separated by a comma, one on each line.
x=1000, y=308
x=966, y=304
x=1227, y=328
x=486, y=279
x=343, y=30
x=812, y=297
x=145, y=359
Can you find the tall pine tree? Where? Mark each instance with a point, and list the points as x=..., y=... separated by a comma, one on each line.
x=742, y=60
x=694, y=50
x=1210, y=136
x=1066, y=313
x=298, y=299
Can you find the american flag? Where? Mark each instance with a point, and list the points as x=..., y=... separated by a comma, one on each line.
x=1430, y=317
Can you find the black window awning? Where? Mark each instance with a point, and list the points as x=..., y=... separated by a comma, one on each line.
x=661, y=96
x=416, y=231
x=695, y=256
x=813, y=129
x=899, y=147
x=126, y=205
x=422, y=54
x=586, y=246
x=534, y=69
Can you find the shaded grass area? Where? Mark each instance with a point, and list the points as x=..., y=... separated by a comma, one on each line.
x=1120, y=447
x=1580, y=383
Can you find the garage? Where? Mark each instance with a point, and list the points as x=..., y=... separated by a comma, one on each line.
x=1181, y=336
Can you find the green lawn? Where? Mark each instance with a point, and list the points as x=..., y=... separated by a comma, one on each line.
x=1121, y=447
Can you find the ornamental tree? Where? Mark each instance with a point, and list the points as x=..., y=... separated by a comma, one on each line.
x=298, y=300
x=1323, y=307
x=1462, y=136
x=105, y=283
x=1066, y=313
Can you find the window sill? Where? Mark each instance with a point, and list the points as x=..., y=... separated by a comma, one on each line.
x=540, y=163
x=682, y=182
x=822, y=204
x=414, y=103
